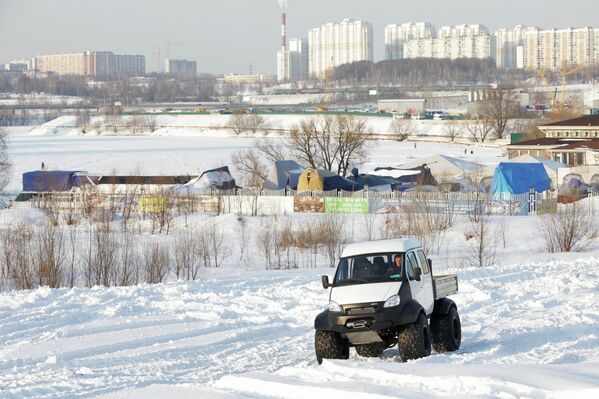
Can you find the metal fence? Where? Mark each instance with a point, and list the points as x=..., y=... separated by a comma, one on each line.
x=286, y=202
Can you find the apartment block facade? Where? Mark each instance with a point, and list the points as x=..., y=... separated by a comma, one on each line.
x=335, y=44
x=397, y=35
x=92, y=64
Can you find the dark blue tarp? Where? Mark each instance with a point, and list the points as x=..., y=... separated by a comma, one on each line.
x=50, y=180
x=519, y=178
x=340, y=183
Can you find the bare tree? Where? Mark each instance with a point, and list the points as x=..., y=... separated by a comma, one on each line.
x=238, y=122
x=49, y=256
x=452, y=131
x=330, y=229
x=569, y=229
x=400, y=129
x=481, y=251
x=150, y=123
x=100, y=257
x=256, y=122
x=251, y=166
x=270, y=150
x=499, y=109
x=4, y=161
x=331, y=143
x=479, y=126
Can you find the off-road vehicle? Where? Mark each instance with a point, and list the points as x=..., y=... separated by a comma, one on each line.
x=384, y=293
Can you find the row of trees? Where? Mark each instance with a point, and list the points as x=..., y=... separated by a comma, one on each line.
x=417, y=72
x=334, y=143
x=159, y=89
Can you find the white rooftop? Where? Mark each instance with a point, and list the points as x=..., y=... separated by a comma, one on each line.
x=381, y=247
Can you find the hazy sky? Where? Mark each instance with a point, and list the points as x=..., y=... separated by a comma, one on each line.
x=228, y=35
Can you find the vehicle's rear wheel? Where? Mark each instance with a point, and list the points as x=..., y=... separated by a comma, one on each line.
x=371, y=350
x=414, y=340
x=447, y=331
x=330, y=345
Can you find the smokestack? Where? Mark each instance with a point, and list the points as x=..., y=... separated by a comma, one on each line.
x=284, y=31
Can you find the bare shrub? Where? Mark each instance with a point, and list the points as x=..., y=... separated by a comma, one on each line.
x=330, y=231
x=216, y=240
x=256, y=122
x=422, y=219
x=49, y=256
x=156, y=262
x=129, y=262
x=369, y=224
x=264, y=240
x=570, y=229
x=186, y=262
x=4, y=161
x=16, y=266
x=83, y=120
x=100, y=257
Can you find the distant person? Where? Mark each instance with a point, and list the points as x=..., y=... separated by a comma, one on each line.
x=465, y=151
x=414, y=145
x=471, y=152
x=43, y=166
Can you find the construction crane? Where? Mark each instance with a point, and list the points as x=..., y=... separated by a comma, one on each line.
x=543, y=75
x=169, y=45
x=566, y=71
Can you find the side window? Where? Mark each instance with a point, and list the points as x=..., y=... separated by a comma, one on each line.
x=423, y=262
x=413, y=260
x=410, y=267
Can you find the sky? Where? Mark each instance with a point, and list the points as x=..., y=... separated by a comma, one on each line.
x=229, y=35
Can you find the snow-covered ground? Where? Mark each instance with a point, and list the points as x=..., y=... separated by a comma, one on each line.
x=184, y=152
x=529, y=330
x=530, y=324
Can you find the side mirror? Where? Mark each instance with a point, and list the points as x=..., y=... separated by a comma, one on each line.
x=417, y=273
x=325, y=282
x=430, y=264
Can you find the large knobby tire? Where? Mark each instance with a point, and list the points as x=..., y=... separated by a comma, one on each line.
x=446, y=331
x=414, y=340
x=330, y=345
x=371, y=350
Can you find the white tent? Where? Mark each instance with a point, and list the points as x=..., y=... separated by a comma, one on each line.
x=443, y=166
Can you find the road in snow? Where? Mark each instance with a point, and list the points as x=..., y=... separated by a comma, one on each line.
x=528, y=331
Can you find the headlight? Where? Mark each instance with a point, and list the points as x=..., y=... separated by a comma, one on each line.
x=389, y=303
x=334, y=307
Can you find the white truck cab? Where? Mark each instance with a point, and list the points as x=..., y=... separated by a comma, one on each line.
x=384, y=293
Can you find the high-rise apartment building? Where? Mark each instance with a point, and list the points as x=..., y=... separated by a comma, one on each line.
x=556, y=48
x=180, y=67
x=462, y=41
x=293, y=62
x=510, y=45
x=92, y=64
x=335, y=44
x=397, y=35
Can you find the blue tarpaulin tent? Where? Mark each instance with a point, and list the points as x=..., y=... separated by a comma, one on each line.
x=519, y=178
x=41, y=181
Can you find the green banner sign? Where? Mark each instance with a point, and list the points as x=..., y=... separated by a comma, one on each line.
x=348, y=206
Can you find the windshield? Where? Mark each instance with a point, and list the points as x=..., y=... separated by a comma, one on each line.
x=364, y=269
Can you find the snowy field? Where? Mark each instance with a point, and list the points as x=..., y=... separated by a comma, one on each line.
x=530, y=324
x=187, y=153
x=529, y=330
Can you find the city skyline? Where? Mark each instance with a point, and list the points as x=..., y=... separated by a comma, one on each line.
x=219, y=37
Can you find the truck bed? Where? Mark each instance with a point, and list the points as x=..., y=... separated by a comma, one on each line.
x=445, y=285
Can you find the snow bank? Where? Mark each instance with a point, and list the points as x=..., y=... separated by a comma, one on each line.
x=528, y=330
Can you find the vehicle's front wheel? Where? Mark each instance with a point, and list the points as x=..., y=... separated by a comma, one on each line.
x=371, y=350
x=414, y=340
x=330, y=345
x=446, y=331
